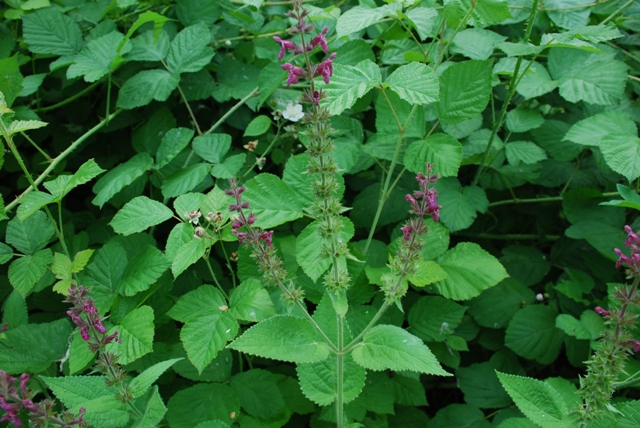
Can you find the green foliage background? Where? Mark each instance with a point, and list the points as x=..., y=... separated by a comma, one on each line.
x=532, y=123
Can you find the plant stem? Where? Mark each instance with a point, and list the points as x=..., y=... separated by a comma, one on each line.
x=536, y=200
x=61, y=157
x=340, y=373
x=68, y=100
x=513, y=84
x=232, y=110
x=213, y=275
x=33, y=143
x=617, y=11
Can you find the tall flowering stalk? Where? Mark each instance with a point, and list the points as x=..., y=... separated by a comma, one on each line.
x=617, y=342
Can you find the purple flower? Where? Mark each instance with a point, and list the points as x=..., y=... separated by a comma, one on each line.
x=406, y=232
x=286, y=45
x=294, y=73
x=601, y=311
x=267, y=237
x=321, y=40
x=325, y=68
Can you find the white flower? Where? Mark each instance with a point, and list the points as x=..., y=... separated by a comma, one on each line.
x=293, y=112
x=539, y=297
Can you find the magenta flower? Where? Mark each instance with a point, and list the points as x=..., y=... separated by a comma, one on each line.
x=286, y=45
x=320, y=40
x=325, y=68
x=602, y=311
x=632, y=261
x=294, y=73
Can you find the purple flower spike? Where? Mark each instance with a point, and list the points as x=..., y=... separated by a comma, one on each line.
x=286, y=45
x=321, y=40
x=294, y=73
x=325, y=68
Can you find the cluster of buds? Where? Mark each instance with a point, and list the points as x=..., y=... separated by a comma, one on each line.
x=423, y=202
x=211, y=217
x=632, y=261
x=13, y=400
x=324, y=69
x=85, y=316
x=253, y=236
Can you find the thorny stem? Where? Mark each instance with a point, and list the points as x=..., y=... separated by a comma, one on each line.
x=233, y=109
x=67, y=100
x=33, y=143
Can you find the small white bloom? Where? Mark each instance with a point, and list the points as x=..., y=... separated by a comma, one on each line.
x=227, y=42
x=539, y=297
x=293, y=112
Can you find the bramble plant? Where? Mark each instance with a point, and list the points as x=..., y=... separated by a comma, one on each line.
x=257, y=213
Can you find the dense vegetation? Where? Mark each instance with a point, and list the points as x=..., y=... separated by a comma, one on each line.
x=256, y=213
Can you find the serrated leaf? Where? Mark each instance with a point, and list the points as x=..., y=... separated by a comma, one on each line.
x=481, y=386
x=230, y=167
x=471, y=270
x=282, y=338
x=172, y=143
x=349, y=83
x=65, y=183
x=153, y=411
x=136, y=333
x=459, y=205
x=476, y=43
x=495, y=307
x=427, y=273
x=258, y=126
x=591, y=130
x=272, y=201
x=441, y=150
x=184, y=180
x=318, y=380
x=521, y=120
x=139, y=214
x=6, y=253
x=433, y=318
x=532, y=334
x=251, y=302
x=308, y=250
x=622, y=154
x=203, y=402
x=415, y=83
x=390, y=347
x=424, y=20
x=141, y=383
x=212, y=147
x=143, y=271
x=26, y=271
x=206, y=335
x=146, y=86
x=523, y=152
x=259, y=394
x=189, y=51
x=97, y=57
x=48, y=31
x=32, y=202
x=464, y=91
x=146, y=47
x=631, y=200
x=482, y=13
x=15, y=311
x=120, y=177
x=188, y=254
x=186, y=203
x=195, y=302
x=107, y=267
x=358, y=18
x=538, y=400
x=25, y=125
x=30, y=235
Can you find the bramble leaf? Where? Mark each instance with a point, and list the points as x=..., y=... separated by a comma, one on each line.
x=139, y=214
x=120, y=177
x=349, y=83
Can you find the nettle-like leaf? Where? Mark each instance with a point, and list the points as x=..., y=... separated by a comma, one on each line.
x=495, y=307
x=483, y=13
x=318, y=380
x=358, y=18
x=189, y=51
x=441, y=150
x=538, y=400
x=172, y=143
x=390, y=347
x=120, y=177
x=98, y=57
x=146, y=86
x=143, y=271
x=185, y=179
x=465, y=88
x=415, y=83
x=272, y=201
x=259, y=394
x=139, y=214
x=471, y=270
x=136, y=332
x=349, y=83
x=31, y=235
x=433, y=318
x=283, y=338
x=460, y=205
x=203, y=402
x=476, y=43
x=212, y=147
x=48, y=31
x=532, y=334
x=251, y=302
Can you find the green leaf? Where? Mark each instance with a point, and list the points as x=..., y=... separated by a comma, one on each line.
x=272, y=201
x=186, y=203
x=136, y=333
x=495, y=307
x=589, y=327
x=97, y=58
x=197, y=302
x=107, y=267
x=146, y=47
x=48, y=31
x=390, y=347
x=424, y=20
x=25, y=125
x=471, y=270
x=189, y=51
x=206, y=335
x=212, y=147
x=594, y=78
x=538, y=400
x=259, y=394
x=146, y=86
x=191, y=12
x=3, y=214
x=631, y=200
x=358, y=18
x=536, y=82
x=15, y=311
x=32, y=202
x=428, y=272
x=258, y=126
x=172, y=143
x=139, y=214
x=318, y=380
x=203, y=402
x=65, y=183
x=184, y=180
x=483, y=13
x=282, y=338
x=251, y=302
x=481, y=386
x=521, y=120
x=464, y=91
x=459, y=205
x=30, y=235
x=153, y=411
x=11, y=82
x=230, y=167
x=143, y=271
x=433, y=318
x=148, y=16
x=120, y=177
x=349, y=83
x=415, y=83
x=592, y=130
x=188, y=254
x=6, y=253
x=476, y=43
x=141, y=383
x=532, y=334
x=441, y=150
x=523, y=152
x=34, y=347
x=309, y=252
x=622, y=154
